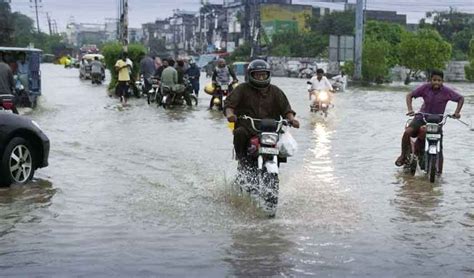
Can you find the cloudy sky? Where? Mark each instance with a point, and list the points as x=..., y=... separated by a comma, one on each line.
x=141, y=11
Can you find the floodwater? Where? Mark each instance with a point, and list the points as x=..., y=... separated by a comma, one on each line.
x=143, y=191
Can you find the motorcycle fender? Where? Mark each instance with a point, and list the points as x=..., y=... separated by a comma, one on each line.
x=260, y=162
x=271, y=166
x=433, y=149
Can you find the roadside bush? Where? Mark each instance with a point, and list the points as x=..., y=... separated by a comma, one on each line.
x=113, y=51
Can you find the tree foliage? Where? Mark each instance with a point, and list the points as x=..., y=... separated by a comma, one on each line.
x=375, y=64
x=455, y=27
x=336, y=23
x=424, y=50
x=389, y=32
x=469, y=69
x=241, y=53
x=298, y=44
x=113, y=51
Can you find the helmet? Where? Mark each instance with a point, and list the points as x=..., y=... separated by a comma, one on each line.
x=259, y=66
x=209, y=89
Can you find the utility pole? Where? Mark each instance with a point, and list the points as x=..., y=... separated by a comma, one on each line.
x=359, y=38
x=35, y=2
x=124, y=24
x=49, y=24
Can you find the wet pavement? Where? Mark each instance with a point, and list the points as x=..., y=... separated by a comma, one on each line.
x=143, y=191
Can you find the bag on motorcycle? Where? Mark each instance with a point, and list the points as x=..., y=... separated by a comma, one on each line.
x=287, y=145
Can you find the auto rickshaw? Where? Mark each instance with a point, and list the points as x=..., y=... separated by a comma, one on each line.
x=25, y=65
x=85, y=67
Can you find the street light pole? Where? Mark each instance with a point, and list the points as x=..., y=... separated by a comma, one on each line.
x=359, y=24
x=125, y=26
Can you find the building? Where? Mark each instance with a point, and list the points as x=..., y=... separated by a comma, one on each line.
x=388, y=16
x=79, y=34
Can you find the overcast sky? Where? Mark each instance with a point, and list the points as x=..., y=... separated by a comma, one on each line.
x=142, y=11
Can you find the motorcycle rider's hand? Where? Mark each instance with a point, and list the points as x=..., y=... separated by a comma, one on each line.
x=457, y=115
x=294, y=123
x=231, y=118
x=410, y=113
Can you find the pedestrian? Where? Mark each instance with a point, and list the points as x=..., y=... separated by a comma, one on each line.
x=123, y=69
x=194, y=74
x=147, y=69
x=7, y=83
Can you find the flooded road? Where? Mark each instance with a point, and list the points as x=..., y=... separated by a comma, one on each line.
x=144, y=191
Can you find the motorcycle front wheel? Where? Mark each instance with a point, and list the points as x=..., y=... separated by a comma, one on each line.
x=269, y=193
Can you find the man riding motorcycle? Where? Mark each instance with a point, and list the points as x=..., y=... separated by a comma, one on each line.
x=97, y=70
x=171, y=78
x=319, y=82
x=256, y=98
x=222, y=75
x=435, y=98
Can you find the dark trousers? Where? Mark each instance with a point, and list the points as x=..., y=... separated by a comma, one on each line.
x=242, y=136
x=122, y=89
x=195, y=87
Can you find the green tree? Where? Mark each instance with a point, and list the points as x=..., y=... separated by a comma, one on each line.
x=423, y=51
x=336, y=23
x=389, y=32
x=375, y=60
x=455, y=27
x=298, y=44
x=469, y=69
x=6, y=24
x=241, y=53
x=23, y=30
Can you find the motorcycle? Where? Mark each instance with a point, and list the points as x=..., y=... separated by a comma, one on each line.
x=7, y=103
x=320, y=100
x=96, y=78
x=171, y=97
x=258, y=172
x=220, y=94
x=154, y=94
x=428, y=153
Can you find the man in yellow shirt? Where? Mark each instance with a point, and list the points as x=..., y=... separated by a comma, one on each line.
x=122, y=67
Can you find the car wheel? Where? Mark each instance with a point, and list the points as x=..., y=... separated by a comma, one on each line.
x=17, y=165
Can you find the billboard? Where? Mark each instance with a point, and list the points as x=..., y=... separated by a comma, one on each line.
x=280, y=17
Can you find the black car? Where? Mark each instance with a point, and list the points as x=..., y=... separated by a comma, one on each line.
x=23, y=149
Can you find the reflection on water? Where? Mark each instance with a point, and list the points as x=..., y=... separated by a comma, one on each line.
x=260, y=252
x=417, y=199
x=18, y=203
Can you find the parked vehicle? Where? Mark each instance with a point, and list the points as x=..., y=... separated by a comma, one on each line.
x=428, y=154
x=31, y=81
x=23, y=149
x=259, y=175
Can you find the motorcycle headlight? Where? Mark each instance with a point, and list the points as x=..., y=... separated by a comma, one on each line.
x=269, y=138
x=323, y=96
x=432, y=128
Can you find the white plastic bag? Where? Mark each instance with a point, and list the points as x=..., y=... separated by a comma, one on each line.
x=287, y=145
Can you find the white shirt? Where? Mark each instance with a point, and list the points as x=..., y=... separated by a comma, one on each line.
x=129, y=62
x=320, y=85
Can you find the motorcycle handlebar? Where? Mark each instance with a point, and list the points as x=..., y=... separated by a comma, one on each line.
x=282, y=122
